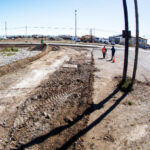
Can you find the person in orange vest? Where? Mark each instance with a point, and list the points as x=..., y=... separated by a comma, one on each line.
x=104, y=50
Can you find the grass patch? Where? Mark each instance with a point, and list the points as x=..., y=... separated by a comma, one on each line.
x=12, y=49
x=10, y=54
x=130, y=103
x=9, y=51
x=126, y=86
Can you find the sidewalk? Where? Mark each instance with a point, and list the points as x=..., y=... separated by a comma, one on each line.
x=116, y=124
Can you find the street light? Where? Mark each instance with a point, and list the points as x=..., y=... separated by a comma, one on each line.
x=75, y=25
x=5, y=29
x=26, y=30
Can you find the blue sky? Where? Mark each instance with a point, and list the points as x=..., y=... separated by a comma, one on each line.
x=105, y=17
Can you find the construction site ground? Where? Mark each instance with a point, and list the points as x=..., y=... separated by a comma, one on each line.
x=119, y=121
x=68, y=99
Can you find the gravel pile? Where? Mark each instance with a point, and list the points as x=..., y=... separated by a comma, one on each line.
x=21, y=54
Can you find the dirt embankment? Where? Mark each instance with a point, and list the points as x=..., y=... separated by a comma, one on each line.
x=23, y=62
x=54, y=113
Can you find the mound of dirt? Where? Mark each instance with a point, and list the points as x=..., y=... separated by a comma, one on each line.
x=23, y=62
x=38, y=47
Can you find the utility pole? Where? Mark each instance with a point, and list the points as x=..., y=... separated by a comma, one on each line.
x=94, y=32
x=26, y=30
x=75, y=25
x=137, y=42
x=5, y=29
x=126, y=35
x=91, y=34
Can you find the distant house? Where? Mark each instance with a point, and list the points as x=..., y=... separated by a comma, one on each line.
x=132, y=42
x=142, y=42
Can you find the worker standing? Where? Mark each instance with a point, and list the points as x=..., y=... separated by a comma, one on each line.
x=104, y=51
x=113, y=52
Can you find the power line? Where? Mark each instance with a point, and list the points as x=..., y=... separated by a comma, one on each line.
x=65, y=28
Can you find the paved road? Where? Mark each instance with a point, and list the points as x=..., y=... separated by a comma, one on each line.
x=56, y=44
x=143, y=71
x=51, y=44
x=143, y=64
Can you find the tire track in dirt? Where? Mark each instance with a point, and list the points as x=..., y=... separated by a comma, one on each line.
x=35, y=116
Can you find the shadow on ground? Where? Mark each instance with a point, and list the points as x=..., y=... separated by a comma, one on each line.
x=88, y=111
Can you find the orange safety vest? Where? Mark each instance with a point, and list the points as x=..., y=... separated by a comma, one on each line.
x=103, y=50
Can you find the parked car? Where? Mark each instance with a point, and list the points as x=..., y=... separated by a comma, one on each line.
x=106, y=42
x=146, y=47
x=84, y=40
x=77, y=40
x=96, y=40
x=113, y=43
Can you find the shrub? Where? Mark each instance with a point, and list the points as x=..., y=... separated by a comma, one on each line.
x=130, y=103
x=14, y=49
x=126, y=86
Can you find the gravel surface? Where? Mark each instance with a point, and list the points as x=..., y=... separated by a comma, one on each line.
x=21, y=54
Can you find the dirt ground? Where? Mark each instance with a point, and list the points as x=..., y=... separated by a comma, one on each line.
x=42, y=100
x=120, y=121
x=68, y=99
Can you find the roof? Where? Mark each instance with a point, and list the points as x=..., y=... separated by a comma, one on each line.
x=120, y=35
x=143, y=38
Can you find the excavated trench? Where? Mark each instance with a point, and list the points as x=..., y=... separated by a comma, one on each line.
x=52, y=114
